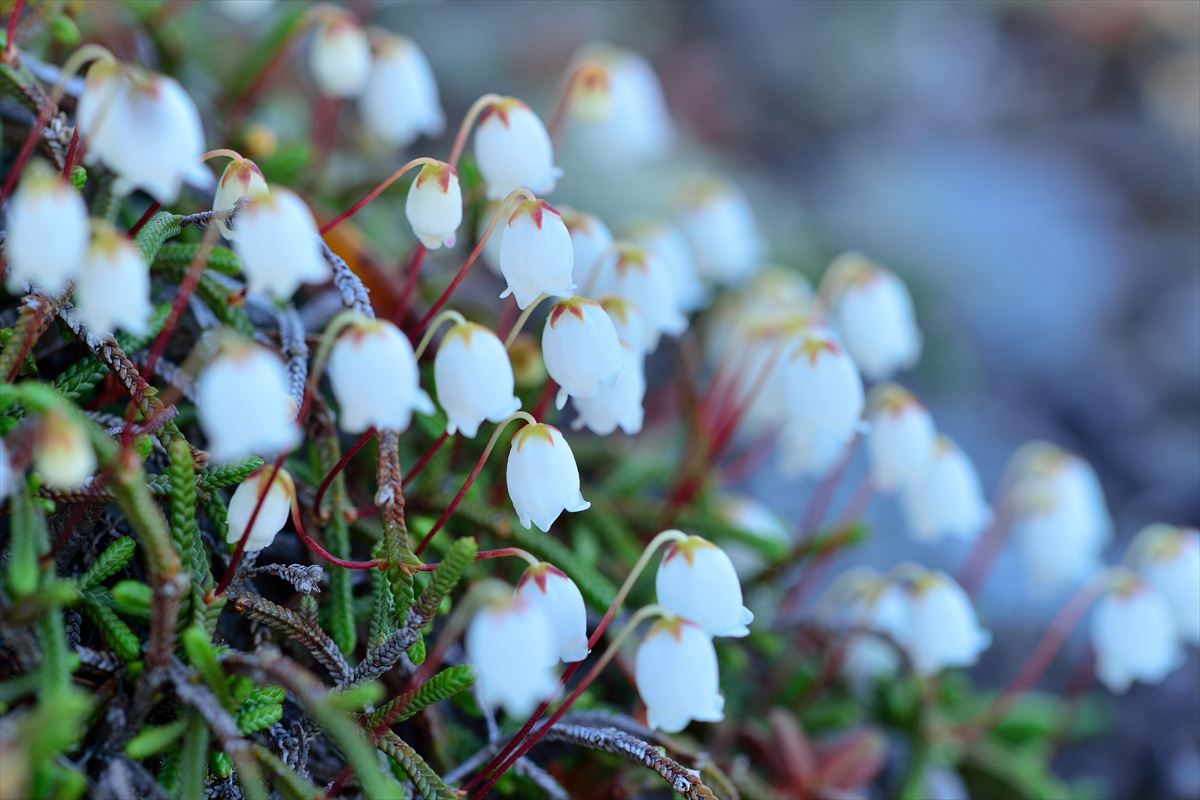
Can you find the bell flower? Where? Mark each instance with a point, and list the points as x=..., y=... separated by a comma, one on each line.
x=823, y=396
x=1133, y=634
x=618, y=111
x=513, y=150
x=434, y=205
x=941, y=630
x=548, y=589
x=590, y=240
x=536, y=255
x=1168, y=558
x=511, y=647
x=580, y=348
x=627, y=320
x=901, y=436
x=676, y=673
x=945, y=499
x=62, y=453
x=273, y=514
x=47, y=225
x=643, y=279
x=340, y=57
x=617, y=406
x=400, y=100
x=719, y=225
x=862, y=598
x=278, y=244
x=697, y=581
x=543, y=479
x=667, y=243
x=113, y=286
x=374, y=377
x=244, y=405
x=474, y=379
x=241, y=178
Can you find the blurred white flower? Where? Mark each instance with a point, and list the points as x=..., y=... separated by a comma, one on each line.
x=1133, y=634
x=513, y=150
x=474, y=378
x=590, y=239
x=667, y=243
x=941, y=630
x=341, y=55
x=543, y=479
x=1168, y=558
x=626, y=318
x=62, y=453
x=719, y=225
x=863, y=598
x=619, y=113
x=113, y=286
x=945, y=499
x=511, y=648
x=434, y=205
x=47, y=229
x=901, y=436
x=676, y=673
x=580, y=348
x=271, y=517
x=548, y=589
x=278, y=244
x=873, y=313
x=644, y=280
x=823, y=396
x=400, y=100
x=243, y=403
x=241, y=178
x=536, y=254
x=619, y=405
x=374, y=377
x=697, y=581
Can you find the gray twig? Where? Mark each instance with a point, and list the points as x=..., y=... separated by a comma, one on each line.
x=295, y=351
x=296, y=627
x=349, y=286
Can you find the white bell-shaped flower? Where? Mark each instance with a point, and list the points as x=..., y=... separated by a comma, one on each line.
x=434, y=206
x=543, y=479
x=547, y=588
x=513, y=150
x=627, y=319
x=47, y=228
x=773, y=298
x=643, y=279
x=945, y=500
x=375, y=379
x=474, y=378
x=752, y=517
x=667, y=243
x=244, y=405
x=591, y=241
x=1168, y=558
x=761, y=357
x=273, y=514
x=619, y=405
x=278, y=244
x=697, y=581
x=1059, y=521
x=873, y=312
x=400, y=100
x=719, y=225
x=901, y=436
x=536, y=255
x=823, y=396
x=941, y=631
x=144, y=127
x=511, y=647
x=113, y=286
x=1133, y=634
x=676, y=673
x=862, y=598
x=241, y=178
x=618, y=111
x=580, y=348
x=340, y=57
x=491, y=246
x=62, y=453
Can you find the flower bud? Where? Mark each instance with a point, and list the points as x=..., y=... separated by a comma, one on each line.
x=619, y=405
x=273, y=514
x=1168, y=558
x=244, y=405
x=278, y=244
x=901, y=438
x=548, y=589
x=696, y=581
x=543, y=479
x=113, y=287
x=676, y=673
x=1133, y=634
x=241, y=178
x=580, y=348
x=945, y=499
x=719, y=225
x=591, y=100
x=590, y=240
x=823, y=393
x=434, y=205
x=474, y=379
x=47, y=225
x=873, y=312
x=400, y=101
x=667, y=243
x=618, y=112
x=941, y=631
x=62, y=455
x=536, y=255
x=642, y=279
x=374, y=376
x=627, y=320
x=513, y=150
x=511, y=648
x=341, y=56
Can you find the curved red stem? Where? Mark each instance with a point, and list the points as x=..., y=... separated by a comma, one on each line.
x=338, y=467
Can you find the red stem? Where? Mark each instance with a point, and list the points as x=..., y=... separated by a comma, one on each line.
x=458, y=278
x=311, y=544
x=338, y=467
x=983, y=554
x=10, y=43
x=26, y=149
x=814, y=512
x=424, y=460
x=150, y=212
x=241, y=545
x=543, y=402
x=72, y=149
x=437, y=526
x=482, y=555
x=410, y=283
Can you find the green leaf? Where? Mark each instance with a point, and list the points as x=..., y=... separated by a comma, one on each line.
x=132, y=598
x=203, y=657
x=421, y=774
x=179, y=255
x=158, y=229
x=154, y=739
x=108, y=563
x=445, y=684
x=124, y=642
x=262, y=708
x=193, y=761
x=28, y=542
x=449, y=572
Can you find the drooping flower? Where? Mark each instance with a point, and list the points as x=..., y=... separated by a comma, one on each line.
x=543, y=479
x=676, y=673
x=719, y=225
x=511, y=648
x=619, y=405
x=273, y=514
x=374, y=376
x=861, y=597
x=546, y=587
x=642, y=279
x=47, y=228
x=627, y=320
x=1168, y=558
x=590, y=241
x=941, y=630
x=697, y=581
x=278, y=244
x=901, y=437
x=667, y=243
x=823, y=396
x=241, y=178
x=434, y=205
x=513, y=150
x=243, y=402
x=400, y=100
x=536, y=255
x=62, y=454
x=474, y=378
x=1133, y=634
x=619, y=112
x=340, y=57
x=113, y=286
x=580, y=348
x=945, y=500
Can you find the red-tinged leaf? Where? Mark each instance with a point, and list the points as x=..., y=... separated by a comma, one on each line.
x=796, y=756
x=852, y=760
